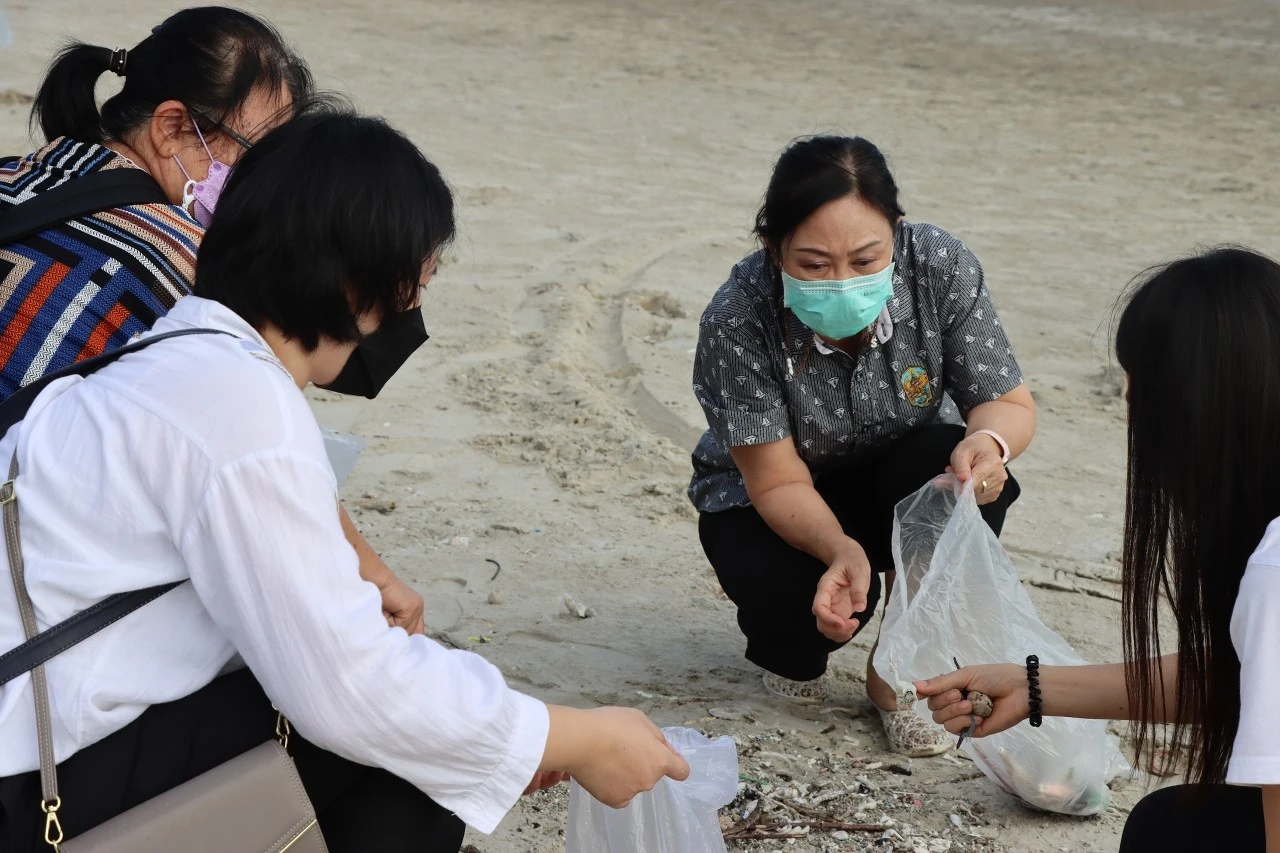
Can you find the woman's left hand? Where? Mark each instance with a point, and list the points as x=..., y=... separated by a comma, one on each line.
x=546, y=779
x=402, y=606
x=978, y=458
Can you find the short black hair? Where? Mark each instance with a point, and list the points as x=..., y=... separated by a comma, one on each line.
x=329, y=216
x=209, y=58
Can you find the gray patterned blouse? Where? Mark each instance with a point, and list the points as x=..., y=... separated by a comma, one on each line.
x=947, y=352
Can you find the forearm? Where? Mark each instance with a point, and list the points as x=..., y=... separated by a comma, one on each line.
x=1014, y=421
x=797, y=513
x=1099, y=692
x=372, y=567
x=1271, y=816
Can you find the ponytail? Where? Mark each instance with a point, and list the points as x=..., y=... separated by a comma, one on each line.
x=211, y=59
x=65, y=104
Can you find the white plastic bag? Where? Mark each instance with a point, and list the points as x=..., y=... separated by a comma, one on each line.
x=343, y=450
x=958, y=595
x=675, y=817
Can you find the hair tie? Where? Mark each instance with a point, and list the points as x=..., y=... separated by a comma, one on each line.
x=119, y=57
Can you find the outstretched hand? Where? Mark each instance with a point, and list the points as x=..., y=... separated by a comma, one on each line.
x=842, y=592
x=1006, y=684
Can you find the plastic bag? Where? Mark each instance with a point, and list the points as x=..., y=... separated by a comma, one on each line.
x=958, y=595
x=675, y=817
x=343, y=450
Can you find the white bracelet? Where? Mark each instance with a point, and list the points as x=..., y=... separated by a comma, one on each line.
x=1004, y=445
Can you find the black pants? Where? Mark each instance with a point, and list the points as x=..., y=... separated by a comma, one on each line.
x=359, y=808
x=773, y=584
x=1175, y=820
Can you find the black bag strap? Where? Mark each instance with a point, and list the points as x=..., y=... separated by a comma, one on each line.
x=86, y=623
x=56, y=640
x=15, y=407
x=101, y=190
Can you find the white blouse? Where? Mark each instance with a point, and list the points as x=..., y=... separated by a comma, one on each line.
x=1255, y=633
x=199, y=458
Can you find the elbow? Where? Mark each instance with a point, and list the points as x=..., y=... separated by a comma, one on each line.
x=761, y=493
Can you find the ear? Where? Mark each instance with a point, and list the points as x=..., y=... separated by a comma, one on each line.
x=167, y=127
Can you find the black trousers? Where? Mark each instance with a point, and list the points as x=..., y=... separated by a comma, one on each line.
x=359, y=808
x=1175, y=820
x=773, y=584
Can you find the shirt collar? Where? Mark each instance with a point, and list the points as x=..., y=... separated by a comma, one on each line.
x=207, y=314
x=197, y=312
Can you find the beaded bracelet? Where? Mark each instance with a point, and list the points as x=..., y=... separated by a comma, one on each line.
x=1033, y=690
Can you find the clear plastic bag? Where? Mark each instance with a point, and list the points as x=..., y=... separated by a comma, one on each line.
x=958, y=595
x=675, y=817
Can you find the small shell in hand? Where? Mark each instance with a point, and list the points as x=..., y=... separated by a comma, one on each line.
x=982, y=704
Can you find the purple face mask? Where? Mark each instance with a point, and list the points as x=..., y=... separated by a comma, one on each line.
x=201, y=197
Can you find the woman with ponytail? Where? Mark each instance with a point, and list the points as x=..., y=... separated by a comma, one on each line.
x=197, y=91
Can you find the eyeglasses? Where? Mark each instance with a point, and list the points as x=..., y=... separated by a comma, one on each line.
x=222, y=128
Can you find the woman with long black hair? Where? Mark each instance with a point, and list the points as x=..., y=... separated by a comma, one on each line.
x=1199, y=341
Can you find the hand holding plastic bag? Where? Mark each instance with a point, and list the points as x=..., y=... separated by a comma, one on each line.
x=675, y=817
x=957, y=595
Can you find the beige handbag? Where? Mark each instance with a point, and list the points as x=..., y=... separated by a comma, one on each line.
x=254, y=803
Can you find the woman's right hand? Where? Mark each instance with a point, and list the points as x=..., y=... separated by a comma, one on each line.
x=1005, y=683
x=626, y=755
x=842, y=592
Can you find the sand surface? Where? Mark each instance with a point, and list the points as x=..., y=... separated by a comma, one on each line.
x=608, y=158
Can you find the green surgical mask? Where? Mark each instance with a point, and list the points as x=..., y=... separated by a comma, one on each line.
x=838, y=309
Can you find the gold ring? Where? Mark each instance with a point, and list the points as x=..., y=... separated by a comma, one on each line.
x=984, y=487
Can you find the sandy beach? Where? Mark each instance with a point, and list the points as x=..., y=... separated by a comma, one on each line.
x=608, y=158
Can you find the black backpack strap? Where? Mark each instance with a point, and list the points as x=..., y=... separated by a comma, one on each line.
x=78, y=197
x=15, y=407
x=90, y=621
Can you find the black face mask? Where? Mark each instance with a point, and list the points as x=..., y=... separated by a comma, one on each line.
x=378, y=357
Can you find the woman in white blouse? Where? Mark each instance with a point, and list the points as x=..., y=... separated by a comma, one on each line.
x=198, y=458
x=1200, y=343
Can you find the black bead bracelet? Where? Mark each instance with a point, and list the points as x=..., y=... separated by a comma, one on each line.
x=1033, y=690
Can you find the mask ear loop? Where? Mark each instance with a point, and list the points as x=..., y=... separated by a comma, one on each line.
x=202, y=142
x=189, y=188
x=884, y=323
x=884, y=326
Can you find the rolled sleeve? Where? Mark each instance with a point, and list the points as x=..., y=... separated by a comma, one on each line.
x=268, y=559
x=1255, y=633
x=978, y=361
x=734, y=382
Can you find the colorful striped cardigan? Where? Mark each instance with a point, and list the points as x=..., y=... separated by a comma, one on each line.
x=88, y=284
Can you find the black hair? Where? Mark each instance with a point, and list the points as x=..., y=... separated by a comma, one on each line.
x=1200, y=342
x=329, y=216
x=815, y=170
x=211, y=59
x=811, y=172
